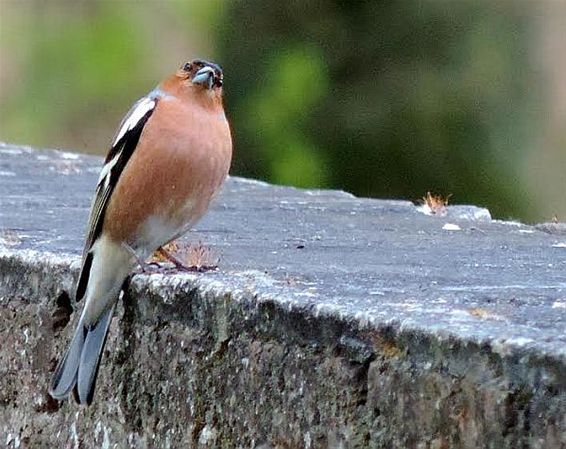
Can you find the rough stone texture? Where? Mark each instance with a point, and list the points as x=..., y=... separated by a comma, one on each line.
x=333, y=321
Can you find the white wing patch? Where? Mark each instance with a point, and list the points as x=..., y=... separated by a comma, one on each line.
x=105, y=172
x=137, y=113
x=139, y=110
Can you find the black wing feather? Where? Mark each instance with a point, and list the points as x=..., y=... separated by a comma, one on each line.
x=123, y=148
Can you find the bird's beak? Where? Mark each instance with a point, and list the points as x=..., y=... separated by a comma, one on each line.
x=204, y=76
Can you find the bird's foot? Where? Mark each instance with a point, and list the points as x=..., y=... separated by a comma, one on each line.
x=199, y=257
x=171, y=258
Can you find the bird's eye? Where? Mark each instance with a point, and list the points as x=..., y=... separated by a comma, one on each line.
x=187, y=67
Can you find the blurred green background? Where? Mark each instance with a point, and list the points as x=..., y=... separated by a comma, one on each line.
x=381, y=98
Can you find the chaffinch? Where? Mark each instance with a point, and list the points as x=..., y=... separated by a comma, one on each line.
x=167, y=161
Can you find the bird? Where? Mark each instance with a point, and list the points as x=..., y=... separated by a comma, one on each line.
x=167, y=162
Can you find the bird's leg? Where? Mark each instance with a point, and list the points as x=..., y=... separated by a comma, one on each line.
x=142, y=263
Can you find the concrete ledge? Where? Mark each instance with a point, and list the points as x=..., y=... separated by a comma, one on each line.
x=333, y=321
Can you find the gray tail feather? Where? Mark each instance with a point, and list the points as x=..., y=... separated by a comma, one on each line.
x=79, y=367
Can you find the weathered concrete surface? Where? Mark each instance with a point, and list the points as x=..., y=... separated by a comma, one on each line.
x=333, y=321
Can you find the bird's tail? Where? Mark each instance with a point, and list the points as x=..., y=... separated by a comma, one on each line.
x=79, y=367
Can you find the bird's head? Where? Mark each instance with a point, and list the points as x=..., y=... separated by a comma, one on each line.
x=197, y=80
x=203, y=74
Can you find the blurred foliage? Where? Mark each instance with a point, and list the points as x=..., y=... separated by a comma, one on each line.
x=386, y=99
x=380, y=98
x=281, y=110
x=92, y=56
x=72, y=69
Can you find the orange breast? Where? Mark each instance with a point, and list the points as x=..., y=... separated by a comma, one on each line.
x=180, y=163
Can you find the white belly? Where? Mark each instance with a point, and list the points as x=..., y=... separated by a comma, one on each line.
x=157, y=231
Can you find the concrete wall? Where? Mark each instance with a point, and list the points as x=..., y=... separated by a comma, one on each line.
x=332, y=321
